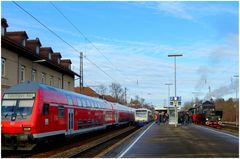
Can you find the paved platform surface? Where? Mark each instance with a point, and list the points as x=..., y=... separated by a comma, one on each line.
x=166, y=141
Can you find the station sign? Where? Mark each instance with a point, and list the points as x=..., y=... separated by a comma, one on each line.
x=175, y=100
x=178, y=98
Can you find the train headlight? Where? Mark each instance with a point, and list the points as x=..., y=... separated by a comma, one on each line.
x=26, y=129
x=207, y=119
x=219, y=118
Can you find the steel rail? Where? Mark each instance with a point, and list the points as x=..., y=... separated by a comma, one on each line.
x=78, y=150
x=101, y=154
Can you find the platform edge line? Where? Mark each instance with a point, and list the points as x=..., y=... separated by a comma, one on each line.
x=135, y=142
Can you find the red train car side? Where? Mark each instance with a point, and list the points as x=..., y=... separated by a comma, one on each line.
x=33, y=111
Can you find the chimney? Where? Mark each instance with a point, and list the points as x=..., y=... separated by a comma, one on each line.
x=56, y=57
x=66, y=63
x=46, y=52
x=4, y=26
x=18, y=36
x=34, y=45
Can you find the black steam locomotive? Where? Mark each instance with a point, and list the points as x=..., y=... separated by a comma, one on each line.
x=206, y=114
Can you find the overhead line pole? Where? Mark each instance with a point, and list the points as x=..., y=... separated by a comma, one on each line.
x=81, y=73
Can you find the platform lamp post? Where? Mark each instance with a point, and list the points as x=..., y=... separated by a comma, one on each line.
x=175, y=85
x=236, y=105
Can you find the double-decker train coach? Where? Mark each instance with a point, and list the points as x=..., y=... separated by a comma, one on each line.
x=32, y=112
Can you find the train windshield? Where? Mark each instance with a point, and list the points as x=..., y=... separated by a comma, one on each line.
x=18, y=107
x=141, y=113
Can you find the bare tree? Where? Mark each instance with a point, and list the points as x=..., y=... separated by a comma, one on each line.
x=117, y=92
x=101, y=89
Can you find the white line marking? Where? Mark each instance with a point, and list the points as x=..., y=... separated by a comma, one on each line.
x=219, y=132
x=134, y=142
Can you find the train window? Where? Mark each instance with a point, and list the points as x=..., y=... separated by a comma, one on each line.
x=85, y=123
x=61, y=111
x=70, y=101
x=91, y=104
x=84, y=103
x=45, y=109
x=88, y=103
x=79, y=102
x=79, y=124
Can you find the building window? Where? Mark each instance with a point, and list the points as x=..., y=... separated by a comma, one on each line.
x=58, y=61
x=59, y=83
x=43, y=77
x=37, y=50
x=49, y=56
x=51, y=80
x=3, y=67
x=69, y=85
x=33, y=75
x=22, y=73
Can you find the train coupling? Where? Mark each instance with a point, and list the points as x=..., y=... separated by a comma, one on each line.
x=17, y=142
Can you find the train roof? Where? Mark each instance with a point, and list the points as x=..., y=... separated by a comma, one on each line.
x=32, y=87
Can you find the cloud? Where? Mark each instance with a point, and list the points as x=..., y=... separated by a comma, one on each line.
x=189, y=10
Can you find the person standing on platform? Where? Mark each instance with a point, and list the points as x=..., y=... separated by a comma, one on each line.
x=167, y=118
x=159, y=118
x=156, y=117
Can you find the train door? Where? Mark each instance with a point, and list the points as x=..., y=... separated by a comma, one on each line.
x=70, y=121
x=116, y=116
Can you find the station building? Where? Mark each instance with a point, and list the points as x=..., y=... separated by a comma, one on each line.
x=26, y=60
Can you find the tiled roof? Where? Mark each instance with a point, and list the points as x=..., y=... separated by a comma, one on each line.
x=86, y=91
x=17, y=33
x=12, y=41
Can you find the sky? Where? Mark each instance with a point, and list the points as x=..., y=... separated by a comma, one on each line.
x=131, y=41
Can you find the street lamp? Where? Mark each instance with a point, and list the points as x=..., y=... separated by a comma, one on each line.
x=175, y=100
x=236, y=76
x=168, y=84
x=33, y=74
x=38, y=61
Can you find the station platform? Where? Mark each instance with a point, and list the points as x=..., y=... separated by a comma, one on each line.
x=168, y=141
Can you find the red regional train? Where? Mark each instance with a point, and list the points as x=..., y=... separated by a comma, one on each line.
x=32, y=112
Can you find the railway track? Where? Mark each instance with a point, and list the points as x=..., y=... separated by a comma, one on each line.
x=93, y=148
x=230, y=125
x=79, y=145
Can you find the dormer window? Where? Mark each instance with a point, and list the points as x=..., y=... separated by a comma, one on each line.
x=69, y=67
x=58, y=61
x=49, y=56
x=3, y=31
x=24, y=42
x=37, y=50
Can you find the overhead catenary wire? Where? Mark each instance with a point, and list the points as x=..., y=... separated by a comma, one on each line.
x=84, y=36
x=61, y=38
